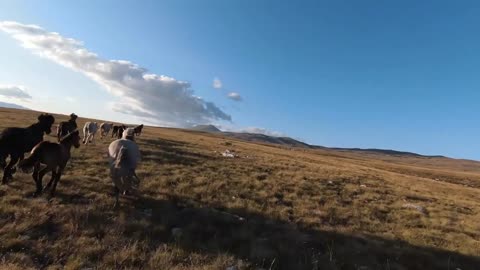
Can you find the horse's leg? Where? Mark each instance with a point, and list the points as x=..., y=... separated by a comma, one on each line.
x=85, y=135
x=14, y=169
x=3, y=161
x=38, y=184
x=8, y=171
x=52, y=179
x=57, y=178
x=39, y=181
x=117, y=196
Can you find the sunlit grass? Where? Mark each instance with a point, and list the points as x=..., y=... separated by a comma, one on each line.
x=272, y=208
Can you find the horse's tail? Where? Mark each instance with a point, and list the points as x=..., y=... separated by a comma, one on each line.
x=27, y=164
x=3, y=151
x=122, y=158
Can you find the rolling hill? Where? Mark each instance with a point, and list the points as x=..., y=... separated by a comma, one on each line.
x=11, y=106
x=289, y=142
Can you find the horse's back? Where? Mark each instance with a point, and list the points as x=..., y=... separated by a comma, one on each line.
x=49, y=152
x=66, y=127
x=91, y=127
x=18, y=139
x=132, y=153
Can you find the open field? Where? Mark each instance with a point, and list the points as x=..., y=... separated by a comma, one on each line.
x=270, y=208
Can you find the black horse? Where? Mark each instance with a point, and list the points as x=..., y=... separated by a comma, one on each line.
x=118, y=131
x=138, y=130
x=66, y=127
x=15, y=142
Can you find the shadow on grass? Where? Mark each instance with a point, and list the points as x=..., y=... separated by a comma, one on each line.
x=169, y=152
x=212, y=229
x=266, y=242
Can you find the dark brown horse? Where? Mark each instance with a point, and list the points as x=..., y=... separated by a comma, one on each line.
x=138, y=130
x=15, y=142
x=55, y=156
x=118, y=131
x=66, y=127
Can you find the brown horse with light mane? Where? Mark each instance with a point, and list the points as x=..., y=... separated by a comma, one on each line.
x=55, y=156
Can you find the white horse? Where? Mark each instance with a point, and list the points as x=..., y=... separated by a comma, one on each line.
x=105, y=129
x=124, y=157
x=89, y=131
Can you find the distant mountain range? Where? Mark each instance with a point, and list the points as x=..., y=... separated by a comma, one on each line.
x=12, y=106
x=289, y=142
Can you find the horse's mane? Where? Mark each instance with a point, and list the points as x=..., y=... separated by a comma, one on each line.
x=68, y=136
x=122, y=157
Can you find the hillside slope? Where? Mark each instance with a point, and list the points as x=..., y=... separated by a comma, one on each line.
x=270, y=207
x=289, y=142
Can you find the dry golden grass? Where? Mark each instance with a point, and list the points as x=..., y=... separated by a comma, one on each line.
x=301, y=209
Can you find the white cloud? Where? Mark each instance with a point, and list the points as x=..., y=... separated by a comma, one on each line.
x=234, y=96
x=217, y=83
x=71, y=99
x=255, y=130
x=263, y=131
x=14, y=91
x=157, y=98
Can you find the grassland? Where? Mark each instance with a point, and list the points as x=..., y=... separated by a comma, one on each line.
x=270, y=208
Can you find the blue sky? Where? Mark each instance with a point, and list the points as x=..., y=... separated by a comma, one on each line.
x=372, y=74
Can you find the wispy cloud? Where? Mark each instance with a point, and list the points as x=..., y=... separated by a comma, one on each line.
x=255, y=130
x=71, y=99
x=217, y=83
x=258, y=130
x=235, y=96
x=15, y=91
x=157, y=98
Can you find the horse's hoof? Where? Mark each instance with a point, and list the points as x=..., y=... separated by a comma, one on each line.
x=6, y=179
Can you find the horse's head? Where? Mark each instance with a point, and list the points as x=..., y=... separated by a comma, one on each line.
x=73, y=117
x=46, y=121
x=72, y=138
x=76, y=138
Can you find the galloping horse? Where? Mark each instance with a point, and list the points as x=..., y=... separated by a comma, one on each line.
x=55, y=156
x=15, y=142
x=89, y=131
x=124, y=157
x=66, y=127
x=118, y=131
x=105, y=129
x=138, y=130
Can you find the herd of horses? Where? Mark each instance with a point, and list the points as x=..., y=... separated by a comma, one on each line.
x=48, y=156
x=91, y=128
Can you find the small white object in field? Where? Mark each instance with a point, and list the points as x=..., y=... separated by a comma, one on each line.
x=363, y=186
x=419, y=208
x=330, y=182
x=228, y=153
